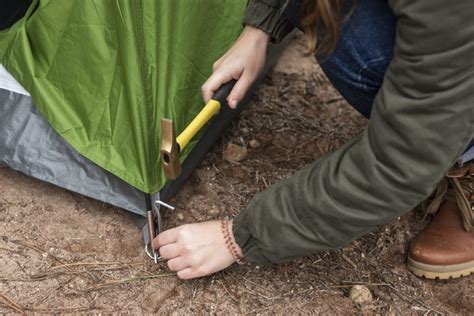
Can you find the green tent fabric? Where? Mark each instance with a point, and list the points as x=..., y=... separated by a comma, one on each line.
x=105, y=72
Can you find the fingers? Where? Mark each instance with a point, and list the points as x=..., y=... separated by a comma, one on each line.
x=194, y=250
x=177, y=264
x=186, y=274
x=240, y=89
x=190, y=273
x=238, y=92
x=169, y=251
x=215, y=81
x=166, y=237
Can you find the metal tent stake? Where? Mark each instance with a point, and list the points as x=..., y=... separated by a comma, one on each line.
x=154, y=225
x=152, y=218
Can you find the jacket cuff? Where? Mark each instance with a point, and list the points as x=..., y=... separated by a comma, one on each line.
x=270, y=19
x=243, y=237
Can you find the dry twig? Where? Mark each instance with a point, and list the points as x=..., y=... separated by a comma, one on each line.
x=349, y=261
x=9, y=303
x=230, y=295
x=128, y=280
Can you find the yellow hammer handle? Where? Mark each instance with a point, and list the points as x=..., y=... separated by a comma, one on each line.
x=211, y=109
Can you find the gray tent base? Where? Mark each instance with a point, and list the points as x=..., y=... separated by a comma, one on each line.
x=30, y=145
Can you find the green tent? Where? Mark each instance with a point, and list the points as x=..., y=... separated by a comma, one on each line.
x=86, y=83
x=104, y=73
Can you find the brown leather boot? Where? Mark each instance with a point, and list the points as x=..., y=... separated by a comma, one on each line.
x=445, y=249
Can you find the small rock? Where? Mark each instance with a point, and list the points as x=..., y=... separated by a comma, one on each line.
x=180, y=216
x=360, y=294
x=213, y=211
x=109, y=228
x=245, y=130
x=75, y=247
x=254, y=143
x=234, y=153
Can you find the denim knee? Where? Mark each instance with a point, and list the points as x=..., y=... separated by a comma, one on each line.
x=365, y=48
x=358, y=82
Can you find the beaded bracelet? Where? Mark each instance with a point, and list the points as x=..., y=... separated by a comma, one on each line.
x=230, y=243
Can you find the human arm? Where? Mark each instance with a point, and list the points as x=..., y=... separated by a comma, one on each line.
x=264, y=21
x=421, y=121
x=243, y=62
x=197, y=250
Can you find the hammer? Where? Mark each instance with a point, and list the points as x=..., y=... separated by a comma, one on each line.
x=171, y=146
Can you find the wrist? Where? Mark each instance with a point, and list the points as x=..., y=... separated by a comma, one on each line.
x=256, y=34
x=237, y=247
x=232, y=246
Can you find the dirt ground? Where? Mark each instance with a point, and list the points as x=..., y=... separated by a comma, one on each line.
x=63, y=253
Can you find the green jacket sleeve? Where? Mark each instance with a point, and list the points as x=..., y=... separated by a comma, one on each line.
x=268, y=15
x=421, y=122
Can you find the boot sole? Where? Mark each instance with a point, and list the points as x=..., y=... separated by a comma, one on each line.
x=440, y=272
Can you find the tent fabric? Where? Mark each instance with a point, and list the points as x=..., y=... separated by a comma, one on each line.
x=7, y=82
x=28, y=144
x=103, y=73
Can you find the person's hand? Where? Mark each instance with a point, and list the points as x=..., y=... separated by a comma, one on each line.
x=195, y=250
x=243, y=62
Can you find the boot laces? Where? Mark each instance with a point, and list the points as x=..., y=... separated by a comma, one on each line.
x=456, y=187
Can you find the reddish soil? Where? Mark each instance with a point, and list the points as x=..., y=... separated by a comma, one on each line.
x=63, y=253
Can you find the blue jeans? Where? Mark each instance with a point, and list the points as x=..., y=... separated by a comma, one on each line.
x=366, y=46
